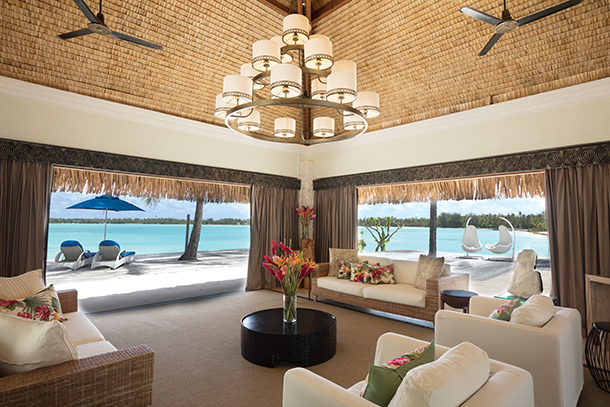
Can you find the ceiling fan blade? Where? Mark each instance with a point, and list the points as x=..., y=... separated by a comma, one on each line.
x=135, y=40
x=545, y=13
x=486, y=18
x=86, y=11
x=77, y=33
x=490, y=44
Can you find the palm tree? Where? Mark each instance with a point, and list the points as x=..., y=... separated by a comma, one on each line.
x=191, y=250
x=432, y=246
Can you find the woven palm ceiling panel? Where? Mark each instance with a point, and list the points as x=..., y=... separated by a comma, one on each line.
x=420, y=56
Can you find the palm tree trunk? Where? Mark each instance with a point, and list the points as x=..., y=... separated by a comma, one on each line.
x=191, y=250
x=432, y=247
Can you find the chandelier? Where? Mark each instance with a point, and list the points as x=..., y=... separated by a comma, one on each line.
x=296, y=70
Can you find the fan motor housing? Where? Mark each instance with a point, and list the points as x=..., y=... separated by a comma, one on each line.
x=506, y=26
x=99, y=28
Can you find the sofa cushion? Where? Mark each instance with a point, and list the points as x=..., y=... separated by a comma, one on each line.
x=536, y=311
x=345, y=269
x=504, y=311
x=22, y=285
x=375, y=274
x=448, y=381
x=382, y=381
x=42, y=306
x=81, y=329
x=405, y=271
x=94, y=348
x=428, y=267
x=342, y=286
x=398, y=293
x=27, y=344
x=357, y=272
x=340, y=254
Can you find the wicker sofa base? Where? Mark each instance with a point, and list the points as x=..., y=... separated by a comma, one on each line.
x=455, y=281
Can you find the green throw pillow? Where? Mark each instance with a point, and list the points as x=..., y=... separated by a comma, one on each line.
x=383, y=381
x=503, y=311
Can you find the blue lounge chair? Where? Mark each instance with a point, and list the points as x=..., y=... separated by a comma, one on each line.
x=72, y=255
x=111, y=255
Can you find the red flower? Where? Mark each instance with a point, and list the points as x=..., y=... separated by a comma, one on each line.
x=6, y=303
x=42, y=312
x=25, y=315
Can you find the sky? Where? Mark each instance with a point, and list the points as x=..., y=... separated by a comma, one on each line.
x=171, y=208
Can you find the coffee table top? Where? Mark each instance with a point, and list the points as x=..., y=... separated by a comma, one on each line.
x=269, y=321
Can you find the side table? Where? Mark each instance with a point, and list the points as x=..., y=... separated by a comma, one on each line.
x=597, y=354
x=459, y=299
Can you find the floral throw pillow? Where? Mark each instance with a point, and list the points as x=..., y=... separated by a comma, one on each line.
x=357, y=271
x=504, y=311
x=43, y=306
x=383, y=380
x=345, y=270
x=376, y=274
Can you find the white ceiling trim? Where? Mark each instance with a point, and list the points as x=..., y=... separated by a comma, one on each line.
x=547, y=100
x=542, y=101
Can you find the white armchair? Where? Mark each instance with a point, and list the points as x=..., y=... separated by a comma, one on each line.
x=507, y=386
x=551, y=353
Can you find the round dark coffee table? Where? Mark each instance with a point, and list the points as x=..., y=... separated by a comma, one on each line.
x=456, y=299
x=265, y=338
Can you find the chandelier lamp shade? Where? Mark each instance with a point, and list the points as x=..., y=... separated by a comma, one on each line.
x=296, y=71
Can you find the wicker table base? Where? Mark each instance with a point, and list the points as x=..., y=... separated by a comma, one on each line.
x=265, y=338
x=597, y=354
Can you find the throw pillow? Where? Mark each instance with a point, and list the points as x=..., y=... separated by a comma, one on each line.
x=504, y=311
x=536, y=311
x=43, y=306
x=382, y=381
x=344, y=270
x=427, y=267
x=22, y=285
x=357, y=272
x=448, y=381
x=29, y=345
x=376, y=274
x=340, y=254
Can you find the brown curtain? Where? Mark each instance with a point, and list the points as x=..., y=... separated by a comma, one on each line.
x=25, y=190
x=578, y=217
x=336, y=224
x=272, y=218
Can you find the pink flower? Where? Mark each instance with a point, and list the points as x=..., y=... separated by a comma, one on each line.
x=273, y=247
x=42, y=312
x=6, y=303
x=24, y=315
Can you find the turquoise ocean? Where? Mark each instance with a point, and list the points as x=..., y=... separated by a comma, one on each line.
x=153, y=239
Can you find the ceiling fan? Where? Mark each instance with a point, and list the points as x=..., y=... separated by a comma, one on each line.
x=98, y=26
x=507, y=24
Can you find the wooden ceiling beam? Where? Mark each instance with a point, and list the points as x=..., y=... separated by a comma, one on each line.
x=277, y=6
x=327, y=9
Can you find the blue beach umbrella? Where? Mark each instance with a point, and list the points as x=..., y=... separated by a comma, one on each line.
x=106, y=203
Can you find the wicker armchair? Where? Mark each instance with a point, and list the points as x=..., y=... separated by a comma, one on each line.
x=114, y=379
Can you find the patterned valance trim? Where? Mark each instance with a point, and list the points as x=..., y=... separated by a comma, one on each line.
x=42, y=153
x=591, y=154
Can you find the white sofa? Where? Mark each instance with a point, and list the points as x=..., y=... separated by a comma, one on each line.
x=551, y=353
x=401, y=298
x=506, y=386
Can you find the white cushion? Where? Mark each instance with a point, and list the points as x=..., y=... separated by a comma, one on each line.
x=81, y=329
x=404, y=271
x=373, y=259
x=342, y=286
x=21, y=286
x=27, y=345
x=398, y=293
x=94, y=348
x=448, y=381
x=536, y=311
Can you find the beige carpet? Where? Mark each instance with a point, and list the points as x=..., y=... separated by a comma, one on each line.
x=197, y=349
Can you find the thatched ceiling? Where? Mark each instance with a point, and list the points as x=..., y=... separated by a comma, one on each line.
x=420, y=56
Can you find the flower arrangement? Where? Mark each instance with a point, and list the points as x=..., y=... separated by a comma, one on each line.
x=306, y=215
x=290, y=267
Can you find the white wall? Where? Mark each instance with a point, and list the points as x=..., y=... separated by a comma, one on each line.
x=39, y=114
x=571, y=116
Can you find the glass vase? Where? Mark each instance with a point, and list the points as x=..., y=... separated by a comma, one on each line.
x=290, y=309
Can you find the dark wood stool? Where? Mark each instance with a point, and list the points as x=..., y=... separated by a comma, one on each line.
x=458, y=299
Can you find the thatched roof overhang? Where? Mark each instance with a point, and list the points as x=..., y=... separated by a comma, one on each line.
x=117, y=183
